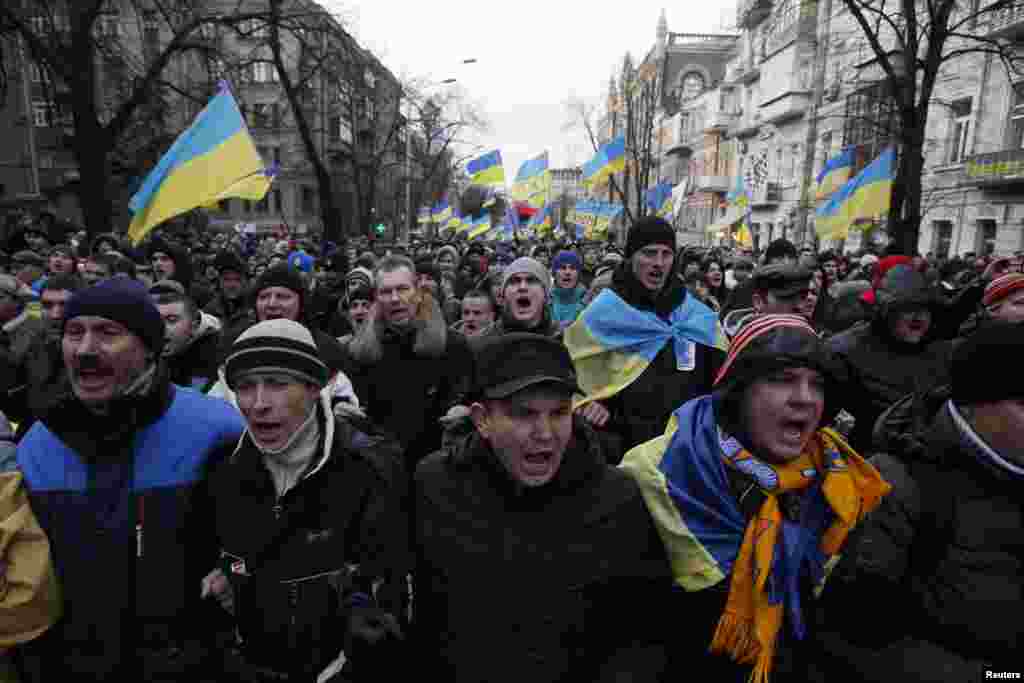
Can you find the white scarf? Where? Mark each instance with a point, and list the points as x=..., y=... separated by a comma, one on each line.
x=288, y=463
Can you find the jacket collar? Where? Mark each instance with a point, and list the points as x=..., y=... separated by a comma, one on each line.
x=246, y=447
x=636, y=295
x=583, y=462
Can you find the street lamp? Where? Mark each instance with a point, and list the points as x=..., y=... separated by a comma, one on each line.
x=408, y=150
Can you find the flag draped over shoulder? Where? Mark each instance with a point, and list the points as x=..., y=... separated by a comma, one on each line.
x=683, y=477
x=214, y=155
x=867, y=195
x=612, y=343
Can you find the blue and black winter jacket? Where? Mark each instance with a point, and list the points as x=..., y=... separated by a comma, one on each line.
x=117, y=498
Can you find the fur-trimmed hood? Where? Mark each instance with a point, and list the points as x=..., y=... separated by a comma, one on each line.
x=429, y=330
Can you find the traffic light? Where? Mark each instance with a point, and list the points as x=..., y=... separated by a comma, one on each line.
x=379, y=228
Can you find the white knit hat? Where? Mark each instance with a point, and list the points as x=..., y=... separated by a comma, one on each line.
x=528, y=266
x=279, y=346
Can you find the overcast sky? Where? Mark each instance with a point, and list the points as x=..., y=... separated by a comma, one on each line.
x=532, y=55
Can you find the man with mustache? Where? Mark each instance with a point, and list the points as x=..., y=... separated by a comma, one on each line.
x=644, y=346
x=111, y=470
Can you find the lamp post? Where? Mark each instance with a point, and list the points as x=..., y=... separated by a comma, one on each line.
x=409, y=218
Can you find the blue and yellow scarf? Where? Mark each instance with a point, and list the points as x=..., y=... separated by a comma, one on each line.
x=684, y=480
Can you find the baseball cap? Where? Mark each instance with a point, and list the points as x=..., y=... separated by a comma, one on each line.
x=782, y=279
x=509, y=363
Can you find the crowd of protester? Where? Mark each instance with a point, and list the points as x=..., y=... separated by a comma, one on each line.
x=227, y=458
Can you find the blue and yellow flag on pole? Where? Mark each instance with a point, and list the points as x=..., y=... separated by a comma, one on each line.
x=609, y=160
x=659, y=199
x=532, y=181
x=487, y=170
x=835, y=173
x=866, y=196
x=480, y=226
x=213, y=155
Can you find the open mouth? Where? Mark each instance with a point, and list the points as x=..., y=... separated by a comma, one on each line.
x=265, y=431
x=793, y=431
x=93, y=377
x=522, y=303
x=538, y=464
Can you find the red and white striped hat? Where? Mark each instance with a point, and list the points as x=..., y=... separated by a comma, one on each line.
x=757, y=329
x=1002, y=287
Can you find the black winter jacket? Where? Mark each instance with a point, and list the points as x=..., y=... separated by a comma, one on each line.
x=293, y=561
x=537, y=584
x=944, y=554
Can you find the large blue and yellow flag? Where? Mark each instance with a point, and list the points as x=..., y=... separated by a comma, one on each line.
x=612, y=343
x=609, y=159
x=867, y=195
x=532, y=181
x=253, y=187
x=487, y=170
x=834, y=173
x=213, y=155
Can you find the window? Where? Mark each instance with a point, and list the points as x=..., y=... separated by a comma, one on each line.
x=958, y=138
x=1017, y=118
x=264, y=72
x=253, y=29
x=779, y=153
x=942, y=236
x=985, y=243
x=691, y=85
x=149, y=20
x=42, y=113
x=259, y=116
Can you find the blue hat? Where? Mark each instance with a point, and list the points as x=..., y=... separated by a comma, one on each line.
x=122, y=300
x=566, y=258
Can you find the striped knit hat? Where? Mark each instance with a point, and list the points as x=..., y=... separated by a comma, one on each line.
x=1002, y=287
x=769, y=343
x=277, y=346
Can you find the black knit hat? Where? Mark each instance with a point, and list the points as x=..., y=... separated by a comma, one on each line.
x=228, y=260
x=650, y=230
x=986, y=366
x=283, y=276
x=278, y=346
x=122, y=300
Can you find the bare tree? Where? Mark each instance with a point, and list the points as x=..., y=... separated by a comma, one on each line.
x=107, y=66
x=632, y=111
x=911, y=43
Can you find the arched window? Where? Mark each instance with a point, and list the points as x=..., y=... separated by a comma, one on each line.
x=691, y=85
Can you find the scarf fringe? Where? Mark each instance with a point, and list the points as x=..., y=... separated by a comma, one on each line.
x=736, y=637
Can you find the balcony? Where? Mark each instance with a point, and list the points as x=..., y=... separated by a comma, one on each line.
x=1007, y=22
x=721, y=120
x=996, y=168
x=792, y=105
x=711, y=183
x=767, y=194
x=750, y=13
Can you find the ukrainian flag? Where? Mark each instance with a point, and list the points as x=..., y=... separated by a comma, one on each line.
x=866, y=196
x=612, y=343
x=532, y=181
x=487, y=170
x=659, y=199
x=424, y=215
x=609, y=160
x=215, y=154
x=835, y=173
x=253, y=188
x=441, y=212
x=480, y=226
